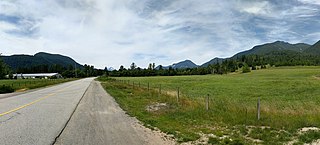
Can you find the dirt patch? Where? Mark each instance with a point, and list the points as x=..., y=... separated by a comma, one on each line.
x=306, y=129
x=317, y=77
x=157, y=106
x=171, y=93
x=317, y=142
x=21, y=90
x=153, y=136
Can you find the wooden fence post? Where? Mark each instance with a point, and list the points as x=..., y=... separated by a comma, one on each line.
x=258, y=109
x=178, y=94
x=207, y=103
x=245, y=123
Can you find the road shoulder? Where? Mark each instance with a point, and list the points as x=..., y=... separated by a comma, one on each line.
x=99, y=120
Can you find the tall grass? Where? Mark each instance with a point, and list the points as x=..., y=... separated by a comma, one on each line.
x=25, y=84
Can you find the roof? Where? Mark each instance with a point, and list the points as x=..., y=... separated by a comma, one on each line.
x=37, y=75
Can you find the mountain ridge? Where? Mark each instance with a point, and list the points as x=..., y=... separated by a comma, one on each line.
x=273, y=49
x=42, y=58
x=180, y=65
x=267, y=48
x=314, y=49
x=274, y=46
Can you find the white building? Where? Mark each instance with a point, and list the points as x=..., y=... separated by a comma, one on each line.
x=39, y=75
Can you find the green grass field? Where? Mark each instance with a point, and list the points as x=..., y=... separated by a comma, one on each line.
x=290, y=100
x=26, y=84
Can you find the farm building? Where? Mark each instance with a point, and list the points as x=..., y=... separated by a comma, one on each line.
x=38, y=75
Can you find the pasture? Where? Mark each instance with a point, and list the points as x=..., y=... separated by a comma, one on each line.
x=289, y=98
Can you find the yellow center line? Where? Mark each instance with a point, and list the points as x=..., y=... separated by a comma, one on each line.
x=23, y=106
x=33, y=102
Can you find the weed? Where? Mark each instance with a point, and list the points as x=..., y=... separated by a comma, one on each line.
x=309, y=136
x=213, y=140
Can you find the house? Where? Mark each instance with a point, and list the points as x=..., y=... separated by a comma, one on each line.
x=38, y=75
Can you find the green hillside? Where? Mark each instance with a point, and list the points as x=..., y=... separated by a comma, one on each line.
x=314, y=49
x=45, y=59
x=274, y=47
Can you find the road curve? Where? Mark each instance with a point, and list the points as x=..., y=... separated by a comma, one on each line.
x=38, y=117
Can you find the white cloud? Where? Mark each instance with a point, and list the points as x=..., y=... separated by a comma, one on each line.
x=315, y=2
x=118, y=32
x=255, y=7
x=4, y=26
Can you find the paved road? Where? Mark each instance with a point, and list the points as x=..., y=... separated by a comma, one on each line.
x=78, y=112
x=38, y=117
x=99, y=120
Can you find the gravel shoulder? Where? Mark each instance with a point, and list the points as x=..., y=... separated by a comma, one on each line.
x=98, y=120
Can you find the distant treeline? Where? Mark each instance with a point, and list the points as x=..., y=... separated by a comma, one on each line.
x=246, y=63
x=66, y=72
x=4, y=69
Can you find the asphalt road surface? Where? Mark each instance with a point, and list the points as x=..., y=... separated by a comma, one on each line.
x=38, y=117
x=78, y=112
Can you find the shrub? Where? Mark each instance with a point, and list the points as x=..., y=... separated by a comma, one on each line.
x=245, y=68
x=6, y=89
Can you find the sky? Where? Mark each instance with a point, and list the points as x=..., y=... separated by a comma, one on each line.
x=110, y=33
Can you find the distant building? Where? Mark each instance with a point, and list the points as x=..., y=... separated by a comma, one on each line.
x=39, y=75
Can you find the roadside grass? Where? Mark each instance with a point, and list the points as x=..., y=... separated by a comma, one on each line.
x=309, y=136
x=26, y=84
x=289, y=101
x=6, y=89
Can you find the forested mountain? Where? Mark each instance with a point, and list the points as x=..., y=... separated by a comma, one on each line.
x=17, y=62
x=274, y=47
x=57, y=59
x=274, y=53
x=314, y=49
x=184, y=64
x=47, y=63
x=213, y=61
x=180, y=65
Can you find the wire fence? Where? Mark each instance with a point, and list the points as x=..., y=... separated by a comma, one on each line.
x=207, y=101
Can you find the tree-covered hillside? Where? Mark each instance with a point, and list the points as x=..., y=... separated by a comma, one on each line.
x=47, y=63
x=20, y=62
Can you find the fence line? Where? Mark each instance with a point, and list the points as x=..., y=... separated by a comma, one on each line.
x=207, y=101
